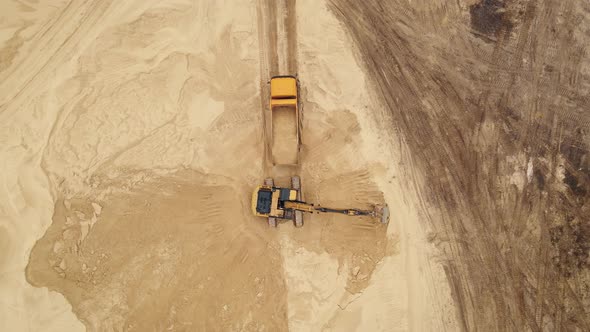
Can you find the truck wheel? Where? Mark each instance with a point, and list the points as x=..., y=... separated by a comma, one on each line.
x=272, y=221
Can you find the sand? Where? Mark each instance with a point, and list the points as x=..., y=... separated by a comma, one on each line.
x=130, y=150
x=132, y=134
x=134, y=164
x=371, y=278
x=498, y=139
x=111, y=117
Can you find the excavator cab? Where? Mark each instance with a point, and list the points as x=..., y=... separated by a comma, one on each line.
x=272, y=202
x=263, y=201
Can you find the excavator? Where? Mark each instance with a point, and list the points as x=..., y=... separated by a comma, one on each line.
x=275, y=203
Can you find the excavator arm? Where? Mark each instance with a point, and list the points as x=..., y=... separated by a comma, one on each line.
x=307, y=207
x=284, y=203
x=348, y=212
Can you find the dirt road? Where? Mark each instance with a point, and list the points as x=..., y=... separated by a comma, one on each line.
x=157, y=254
x=491, y=98
x=277, y=33
x=123, y=134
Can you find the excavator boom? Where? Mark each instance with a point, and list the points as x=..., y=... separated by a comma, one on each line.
x=299, y=206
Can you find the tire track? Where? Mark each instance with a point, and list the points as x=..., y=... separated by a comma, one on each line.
x=58, y=42
x=471, y=138
x=291, y=35
x=266, y=63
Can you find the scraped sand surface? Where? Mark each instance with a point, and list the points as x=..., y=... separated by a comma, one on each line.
x=131, y=140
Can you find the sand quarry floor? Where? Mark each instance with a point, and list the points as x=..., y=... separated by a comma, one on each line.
x=132, y=134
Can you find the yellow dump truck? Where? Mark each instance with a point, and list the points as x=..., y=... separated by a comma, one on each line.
x=284, y=109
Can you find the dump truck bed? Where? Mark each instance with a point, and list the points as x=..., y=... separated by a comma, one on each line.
x=285, y=120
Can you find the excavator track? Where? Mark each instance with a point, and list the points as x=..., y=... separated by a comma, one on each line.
x=298, y=216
